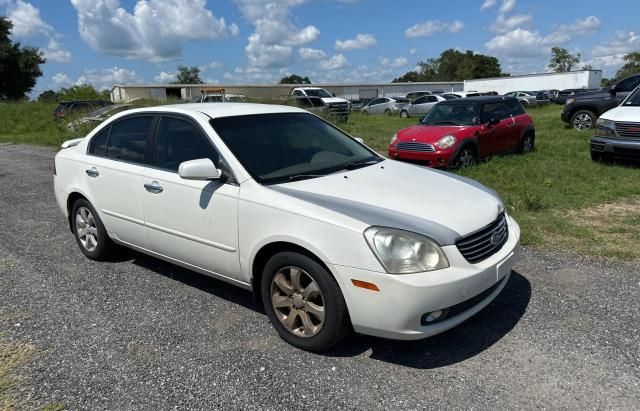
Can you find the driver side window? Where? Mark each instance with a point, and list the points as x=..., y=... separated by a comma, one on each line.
x=420, y=100
x=628, y=85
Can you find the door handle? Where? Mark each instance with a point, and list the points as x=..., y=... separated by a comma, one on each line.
x=153, y=187
x=92, y=172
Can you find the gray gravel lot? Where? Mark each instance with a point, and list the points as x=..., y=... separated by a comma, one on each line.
x=139, y=333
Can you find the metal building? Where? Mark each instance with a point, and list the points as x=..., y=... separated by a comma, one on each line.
x=532, y=82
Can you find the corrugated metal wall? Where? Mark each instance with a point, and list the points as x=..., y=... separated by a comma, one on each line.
x=546, y=81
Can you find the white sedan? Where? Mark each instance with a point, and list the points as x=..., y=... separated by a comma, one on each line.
x=329, y=235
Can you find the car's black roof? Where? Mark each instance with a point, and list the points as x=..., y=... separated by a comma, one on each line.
x=478, y=100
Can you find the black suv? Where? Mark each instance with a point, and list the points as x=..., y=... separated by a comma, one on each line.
x=582, y=111
x=78, y=106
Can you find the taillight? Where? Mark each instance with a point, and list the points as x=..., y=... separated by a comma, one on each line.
x=53, y=167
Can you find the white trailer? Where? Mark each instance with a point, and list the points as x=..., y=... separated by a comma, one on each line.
x=531, y=82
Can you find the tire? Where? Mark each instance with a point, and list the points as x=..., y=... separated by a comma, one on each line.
x=404, y=114
x=95, y=244
x=466, y=157
x=524, y=104
x=527, y=144
x=387, y=112
x=583, y=120
x=365, y=113
x=306, y=329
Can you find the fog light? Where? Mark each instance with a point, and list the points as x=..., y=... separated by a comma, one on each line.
x=434, y=316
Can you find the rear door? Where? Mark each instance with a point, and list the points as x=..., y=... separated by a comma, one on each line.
x=117, y=157
x=195, y=222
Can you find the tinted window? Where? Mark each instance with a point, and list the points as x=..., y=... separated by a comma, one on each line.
x=432, y=99
x=453, y=114
x=128, y=139
x=514, y=108
x=376, y=102
x=99, y=143
x=281, y=147
x=629, y=84
x=420, y=100
x=498, y=111
x=179, y=140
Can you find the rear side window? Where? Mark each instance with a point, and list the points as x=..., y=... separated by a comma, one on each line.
x=99, y=143
x=496, y=111
x=180, y=140
x=128, y=139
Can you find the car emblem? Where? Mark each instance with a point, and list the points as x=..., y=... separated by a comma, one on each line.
x=495, y=238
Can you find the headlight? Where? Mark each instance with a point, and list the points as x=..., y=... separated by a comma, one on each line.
x=569, y=101
x=393, y=139
x=446, y=142
x=605, y=128
x=404, y=252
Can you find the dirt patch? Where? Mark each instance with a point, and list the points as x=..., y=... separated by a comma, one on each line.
x=11, y=357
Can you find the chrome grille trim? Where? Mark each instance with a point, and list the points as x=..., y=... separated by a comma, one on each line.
x=415, y=146
x=628, y=130
x=477, y=246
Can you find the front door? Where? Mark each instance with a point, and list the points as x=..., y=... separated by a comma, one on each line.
x=496, y=138
x=195, y=222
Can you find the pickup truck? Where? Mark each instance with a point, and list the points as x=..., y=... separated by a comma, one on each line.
x=582, y=110
x=338, y=107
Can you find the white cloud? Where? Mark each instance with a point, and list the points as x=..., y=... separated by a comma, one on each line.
x=155, y=31
x=487, y=5
x=107, y=78
x=215, y=64
x=507, y=6
x=254, y=75
x=518, y=43
x=336, y=62
x=270, y=45
x=413, y=51
x=165, y=77
x=611, y=53
x=27, y=21
x=55, y=53
x=431, y=27
x=362, y=41
x=504, y=23
x=311, y=54
x=395, y=63
x=61, y=80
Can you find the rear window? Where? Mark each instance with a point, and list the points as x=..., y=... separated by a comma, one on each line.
x=128, y=139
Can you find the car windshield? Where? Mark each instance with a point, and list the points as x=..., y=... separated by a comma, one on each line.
x=453, y=114
x=283, y=147
x=317, y=92
x=633, y=99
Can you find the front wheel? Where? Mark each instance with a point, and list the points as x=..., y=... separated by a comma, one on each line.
x=466, y=158
x=583, y=120
x=404, y=114
x=303, y=302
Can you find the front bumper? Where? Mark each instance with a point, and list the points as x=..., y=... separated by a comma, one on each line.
x=564, y=116
x=624, y=149
x=398, y=309
x=436, y=159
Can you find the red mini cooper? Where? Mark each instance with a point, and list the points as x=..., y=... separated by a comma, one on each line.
x=456, y=133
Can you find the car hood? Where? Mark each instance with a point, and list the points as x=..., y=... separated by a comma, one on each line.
x=623, y=113
x=330, y=100
x=433, y=203
x=430, y=134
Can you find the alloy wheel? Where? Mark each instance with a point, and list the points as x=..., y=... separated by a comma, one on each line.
x=466, y=158
x=86, y=229
x=297, y=301
x=527, y=144
x=583, y=122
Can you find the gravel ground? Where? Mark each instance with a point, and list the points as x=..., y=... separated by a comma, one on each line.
x=139, y=333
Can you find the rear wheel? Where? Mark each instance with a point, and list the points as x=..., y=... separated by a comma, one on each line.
x=404, y=114
x=303, y=302
x=91, y=236
x=466, y=157
x=583, y=120
x=526, y=144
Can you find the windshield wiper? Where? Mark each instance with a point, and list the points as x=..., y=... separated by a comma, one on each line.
x=362, y=163
x=446, y=122
x=299, y=177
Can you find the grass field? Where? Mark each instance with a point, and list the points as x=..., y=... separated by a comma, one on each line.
x=560, y=197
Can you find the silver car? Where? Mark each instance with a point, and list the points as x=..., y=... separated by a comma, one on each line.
x=382, y=105
x=526, y=98
x=421, y=106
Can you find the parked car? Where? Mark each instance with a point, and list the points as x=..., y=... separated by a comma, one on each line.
x=456, y=133
x=421, y=106
x=415, y=94
x=617, y=131
x=338, y=107
x=383, y=105
x=564, y=95
x=526, y=98
x=312, y=104
x=328, y=234
x=219, y=98
x=451, y=96
x=581, y=111
x=99, y=115
x=78, y=106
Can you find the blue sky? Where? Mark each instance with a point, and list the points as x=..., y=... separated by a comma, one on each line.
x=104, y=42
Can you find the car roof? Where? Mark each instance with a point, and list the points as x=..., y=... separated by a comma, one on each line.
x=215, y=110
x=479, y=99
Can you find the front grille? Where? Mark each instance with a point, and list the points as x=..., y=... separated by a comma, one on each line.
x=486, y=242
x=339, y=108
x=628, y=130
x=415, y=146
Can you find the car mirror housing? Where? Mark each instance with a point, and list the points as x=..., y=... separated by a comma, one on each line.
x=200, y=169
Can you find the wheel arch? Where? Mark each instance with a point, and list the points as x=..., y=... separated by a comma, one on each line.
x=74, y=196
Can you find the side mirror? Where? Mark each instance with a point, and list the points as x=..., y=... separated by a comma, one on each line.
x=359, y=140
x=200, y=169
x=493, y=122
